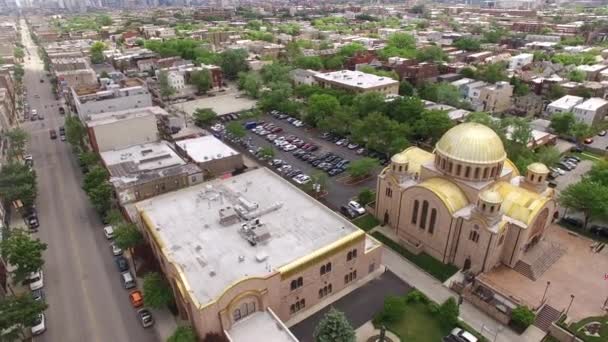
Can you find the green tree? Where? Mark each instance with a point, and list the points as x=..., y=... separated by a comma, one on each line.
x=334, y=327
x=432, y=125
x=127, y=236
x=366, y=196
x=18, y=182
x=96, y=51
x=448, y=312
x=351, y=49
x=378, y=132
x=548, y=155
x=402, y=41
x=519, y=87
x=88, y=159
x=405, y=109
x=468, y=72
x=599, y=172
x=334, y=62
x=406, y=88
x=362, y=167
x=74, y=131
x=103, y=20
x=555, y=92
x=309, y=62
x=267, y=152
x=166, y=90
x=520, y=131
x=320, y=106
x=493, y=36
x=104, y=74
x=275, y=72
x=431, y=54
x=23, y=253
x=588, y=197
x=101, y=197
x=493, y=72
x=18, y=53
x=18, y=311
x=233, y=61
x=202, y=80
x=204, y=116
x=18, y=72
x=522, y=317
x=183, y=334
x=580, y=131
x=114, y=217
x=468, y=44
x=561, y=123
x=236, y=129
x=251, y=83
x=157, y=292
x=94, y=177
x=576, y=76
x=366, y=103
x=17, y=138
x=393, y=310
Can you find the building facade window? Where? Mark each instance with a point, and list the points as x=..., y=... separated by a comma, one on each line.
x=297, y=306
x=458, y=169
x=297, y=283
x=425, y=210
x=327, y=289
x=325, y=268
x=350, y=276
x=467, y=172
x=389, y=192
x=474, y=236
x=433, y=220
x=351, y=255
x=415, y=212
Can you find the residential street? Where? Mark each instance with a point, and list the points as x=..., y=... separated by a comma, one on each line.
x=83, y=290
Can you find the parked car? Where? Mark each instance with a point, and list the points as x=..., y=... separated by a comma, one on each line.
x=602, y=133
x=354, y=205
x=39, y=325
x=122, y=263
x=145, y=317
x=116, y=251
x=588, y=141
x=301, y=179
x=573, y=221
x=335, y=171
x=53, y=134
x=35, y=280
x=459, y=335
x=599, y=231
x=136, y=298
x=564, y=166
x=108, y=231
x=348, y=212
x=576, y=149
x=38, y=295
x=557, y=170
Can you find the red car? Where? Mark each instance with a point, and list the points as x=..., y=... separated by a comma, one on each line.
x=588, y=141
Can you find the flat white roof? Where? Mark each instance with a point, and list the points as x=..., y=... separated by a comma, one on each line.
x=356, y=79
x=111, y=117
x=592, y=68
x=593, y=103
x=213, y=255
x=260, y=326
x=146, y=157
x=206, y=148
x=566, y=102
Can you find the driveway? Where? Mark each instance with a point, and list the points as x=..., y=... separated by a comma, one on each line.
x=359, y=306
x=339, y=193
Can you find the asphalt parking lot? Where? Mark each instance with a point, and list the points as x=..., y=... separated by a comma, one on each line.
x=339, y=193
x=359, y=306
x=573, y=176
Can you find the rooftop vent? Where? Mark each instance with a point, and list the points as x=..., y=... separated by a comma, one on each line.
x=212, y=273
x=241, y=258
x=261, y=257
x=228, y=216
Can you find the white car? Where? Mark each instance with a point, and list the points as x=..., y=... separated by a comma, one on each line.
x=301, y=179
x=289, y=147
x=108, y=231
x=115, y=249
x=558, y=170
x=356, y=207
x=39, y=325
x=298, y=123
x=463, y=335
x=36, y=280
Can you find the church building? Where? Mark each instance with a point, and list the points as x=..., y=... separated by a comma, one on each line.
x=466, y=203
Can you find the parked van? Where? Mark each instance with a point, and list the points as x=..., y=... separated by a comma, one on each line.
x=127, y=280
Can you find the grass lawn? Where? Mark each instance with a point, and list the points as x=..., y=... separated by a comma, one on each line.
x=366, y=222
x=588, y=156
x=418, y=325
x=603, y=329
x=431, y=265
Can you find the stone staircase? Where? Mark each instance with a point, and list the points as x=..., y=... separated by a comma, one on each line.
x=546, y=316
x=535, y=269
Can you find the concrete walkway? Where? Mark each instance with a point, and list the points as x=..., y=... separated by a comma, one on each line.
x=367, y=330
x=438, y=292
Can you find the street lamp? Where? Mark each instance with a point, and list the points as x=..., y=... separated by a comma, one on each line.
x=569, y=305
x=545, y=294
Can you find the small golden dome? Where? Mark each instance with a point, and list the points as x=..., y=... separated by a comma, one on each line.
x=490, y=196
x=538, y=168
x=399, y=158
x=472, y=143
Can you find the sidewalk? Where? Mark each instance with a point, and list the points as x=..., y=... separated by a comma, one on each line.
x=435, y=290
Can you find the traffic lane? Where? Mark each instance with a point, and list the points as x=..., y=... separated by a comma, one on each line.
x=339, y=193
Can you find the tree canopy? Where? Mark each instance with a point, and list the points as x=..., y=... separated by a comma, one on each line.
x=18, y=182
x=96, y=51
x=588, y=197
x=157, y=292
x=22, y=310
x=23, y=253
x=127, y=236
x=202, y=80
x=204, y=116
x=183, y=334
x=334, y=327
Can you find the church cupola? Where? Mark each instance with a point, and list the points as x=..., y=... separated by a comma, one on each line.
x=489, y=204
x=399, y=165
x=536, y=177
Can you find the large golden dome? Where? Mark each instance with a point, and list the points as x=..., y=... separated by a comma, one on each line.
x=472, y=143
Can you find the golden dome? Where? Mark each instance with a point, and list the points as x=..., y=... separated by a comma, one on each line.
x=472, y=143
x=490, y=196
x=399, y=158
x=538, y=168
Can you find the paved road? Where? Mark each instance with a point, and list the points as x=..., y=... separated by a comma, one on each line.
x=359, y=306
x=85, y=297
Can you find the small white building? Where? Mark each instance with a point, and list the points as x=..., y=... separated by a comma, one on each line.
x=564, y=104
x=176, y=80
x=591, y=111
x=521, y=60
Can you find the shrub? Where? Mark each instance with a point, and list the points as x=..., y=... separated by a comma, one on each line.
x=448, y=312
x=393, y=310
x=416, y=297
x=522, y=317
